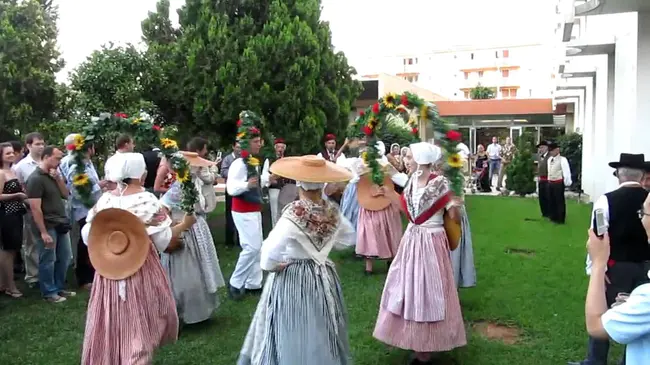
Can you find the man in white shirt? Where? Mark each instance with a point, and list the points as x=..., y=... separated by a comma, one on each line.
x=244, y=186
x=273, y=182
x=559, y=178
x=35, y=143
x=494, y=155
x=626, y=263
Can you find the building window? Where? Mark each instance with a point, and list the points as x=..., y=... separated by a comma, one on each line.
x=466, y=75
x=466, y=94
x=530, y=93
x=510, y=93
x=480, y=74
x=505, y=73
x=506, y=53
x=410, y=61
x=416, y=61
x=471, y=55
x=496, y=54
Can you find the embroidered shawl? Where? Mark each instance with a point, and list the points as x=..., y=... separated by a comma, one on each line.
x=318, y=222
x=436, y=196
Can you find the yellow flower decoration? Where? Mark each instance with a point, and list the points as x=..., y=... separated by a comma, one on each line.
x=364, y=156
x=423, y=112
x=389, y=100
x=253, y=161
x=80, y=180
x=168, y=143
x=79, y=142
x=136, y=121
x=183, y=175
x=455, y=161
x=241, y=135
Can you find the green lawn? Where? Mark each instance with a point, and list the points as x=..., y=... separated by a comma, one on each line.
x=542, y=294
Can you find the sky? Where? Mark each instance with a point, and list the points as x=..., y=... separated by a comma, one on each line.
x=363, y=29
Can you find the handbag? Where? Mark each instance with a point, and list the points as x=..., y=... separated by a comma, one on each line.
x=63, y=228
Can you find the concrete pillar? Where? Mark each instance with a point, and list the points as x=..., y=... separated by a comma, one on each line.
x=641, y=128
x=601, y=130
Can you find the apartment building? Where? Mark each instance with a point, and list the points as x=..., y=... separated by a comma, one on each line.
x=511, y=72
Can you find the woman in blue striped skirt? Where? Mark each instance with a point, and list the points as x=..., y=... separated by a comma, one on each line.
x=301, y=318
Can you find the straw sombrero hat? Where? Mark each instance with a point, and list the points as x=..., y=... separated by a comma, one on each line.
x=310, y=169
x=365, y=188
x=118, y=243
x=195, y=160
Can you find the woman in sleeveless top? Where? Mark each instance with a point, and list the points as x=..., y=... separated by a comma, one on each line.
x=12, y=209
x=419, y=308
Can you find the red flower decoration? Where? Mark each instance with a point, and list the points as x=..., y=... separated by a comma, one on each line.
x=610, y=263
x=239, y=122
x=279, y=140
x=366, y=130
x=414, y=131
x=254, y=130
x=121, y=115
x=156, y=127
x=375, y=108
x=404, y=100
x=362, y=113
x=454, y=135
x=244, y=154
x=70, y=147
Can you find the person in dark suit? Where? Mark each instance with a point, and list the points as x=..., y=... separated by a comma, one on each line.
x=231, y=232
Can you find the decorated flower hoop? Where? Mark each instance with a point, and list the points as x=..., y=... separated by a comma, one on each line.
x=411, y=109
x=144, y=131
x=246, y=130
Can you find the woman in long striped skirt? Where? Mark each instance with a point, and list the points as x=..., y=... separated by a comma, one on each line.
x=462, y=257
x=419, y=308
x=301, y=318
x=129, y=318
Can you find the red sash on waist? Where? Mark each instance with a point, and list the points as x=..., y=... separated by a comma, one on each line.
x=240, y=205
x=556, y=181
x=543, y=178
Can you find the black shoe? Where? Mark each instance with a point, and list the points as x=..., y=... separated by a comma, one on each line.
x=254, y=291
x=235, y=293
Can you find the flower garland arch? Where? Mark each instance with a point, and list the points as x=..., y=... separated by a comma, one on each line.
x=144, y=131
x=409, y=108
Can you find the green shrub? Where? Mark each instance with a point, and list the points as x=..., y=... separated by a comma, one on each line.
x=521, y=172
x=571, y=148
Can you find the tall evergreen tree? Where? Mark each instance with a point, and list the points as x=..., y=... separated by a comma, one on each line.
x=274, y=57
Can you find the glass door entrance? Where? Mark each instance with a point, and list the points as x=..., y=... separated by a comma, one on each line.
x=515, y=133
x=484, y=135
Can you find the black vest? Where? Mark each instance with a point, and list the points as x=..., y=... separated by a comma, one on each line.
x=628, y=239
x=542, y=167
x=329, y=157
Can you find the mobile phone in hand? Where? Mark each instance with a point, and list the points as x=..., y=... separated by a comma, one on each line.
x=599, y=225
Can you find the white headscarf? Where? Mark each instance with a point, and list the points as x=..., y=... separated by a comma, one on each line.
x=310, y=186
x=424, y=153
x=127, y=165
x=381, y=147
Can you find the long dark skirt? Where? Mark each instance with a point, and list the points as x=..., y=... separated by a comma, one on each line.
x=300, y=319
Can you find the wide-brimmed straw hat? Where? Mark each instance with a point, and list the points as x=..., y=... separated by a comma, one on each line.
x=118, y=243
x=195, y=160
x=311, y=169
x=365, y=189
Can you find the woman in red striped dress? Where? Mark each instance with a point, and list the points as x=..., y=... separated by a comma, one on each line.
x=419, y=309
x=130, y=313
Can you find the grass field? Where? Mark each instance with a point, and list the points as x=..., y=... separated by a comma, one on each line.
x=540, y=292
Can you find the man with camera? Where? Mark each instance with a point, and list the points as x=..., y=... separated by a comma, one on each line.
x=626, y=266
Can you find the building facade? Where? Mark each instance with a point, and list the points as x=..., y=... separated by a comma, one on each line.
x=512, y=72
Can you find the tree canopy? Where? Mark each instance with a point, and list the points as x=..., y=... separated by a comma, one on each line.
x=29, y=61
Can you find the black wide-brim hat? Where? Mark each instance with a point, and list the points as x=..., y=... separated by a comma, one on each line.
x=631, y=160
x=542, y=143
x=552, y=146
